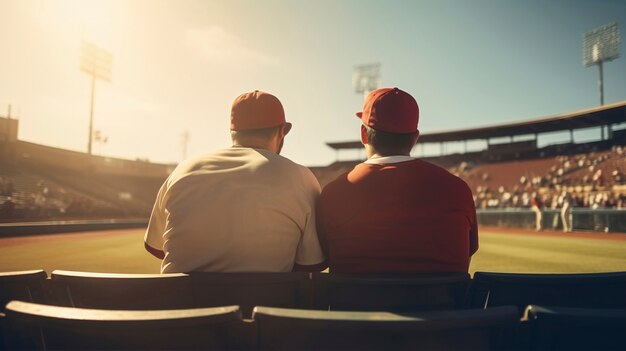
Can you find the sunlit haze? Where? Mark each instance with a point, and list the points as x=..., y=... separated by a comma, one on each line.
x=179, y=64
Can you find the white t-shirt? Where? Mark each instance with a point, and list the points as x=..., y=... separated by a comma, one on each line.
x=236, y=210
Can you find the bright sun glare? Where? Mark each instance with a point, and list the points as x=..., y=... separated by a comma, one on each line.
x=91, y=20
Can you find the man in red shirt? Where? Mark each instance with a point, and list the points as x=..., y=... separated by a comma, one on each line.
x=395, y=213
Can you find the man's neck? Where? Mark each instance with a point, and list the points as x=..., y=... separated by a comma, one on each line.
x=251, y=146
x=256, y=146
x=377, y=159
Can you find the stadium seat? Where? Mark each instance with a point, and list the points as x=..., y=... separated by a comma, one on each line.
x=290, y=290
x=564, y=328
x=390, y=292
x=22, y=285
x=193, y=290
x=64, y=328
x=289, y=329
x=121, y=291
x=589, y=290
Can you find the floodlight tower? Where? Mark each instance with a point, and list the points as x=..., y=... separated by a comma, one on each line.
x=366, y=78
x=601, y=45
x=184, y=141
x=97, y=63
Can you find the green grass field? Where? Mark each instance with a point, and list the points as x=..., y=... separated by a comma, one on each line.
x=121, y=251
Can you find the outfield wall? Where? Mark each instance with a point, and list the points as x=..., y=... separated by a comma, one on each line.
x=598, y=220
x=56, y=227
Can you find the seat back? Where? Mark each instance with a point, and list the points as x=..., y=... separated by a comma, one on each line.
x=22, y=285
x=167, y=291
x=290, y=290
x=68, y=328
x=288, y=329
x=564, y=328
x=590, y=290
x=390, y=292
x=121, y=291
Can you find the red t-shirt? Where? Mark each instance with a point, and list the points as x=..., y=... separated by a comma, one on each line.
x=409, y=216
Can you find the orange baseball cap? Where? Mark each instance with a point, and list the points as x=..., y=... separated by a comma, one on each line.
x=256, y=110
x=390, y=110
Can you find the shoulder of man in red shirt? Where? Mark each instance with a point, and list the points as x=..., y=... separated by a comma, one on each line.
x=341, y=199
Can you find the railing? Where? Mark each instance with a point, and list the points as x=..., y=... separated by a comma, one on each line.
x=598, y=220
x=32, y=228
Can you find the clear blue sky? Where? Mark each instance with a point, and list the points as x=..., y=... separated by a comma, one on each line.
x=178, y=65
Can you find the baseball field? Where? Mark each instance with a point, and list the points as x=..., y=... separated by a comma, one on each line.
x=501, y=250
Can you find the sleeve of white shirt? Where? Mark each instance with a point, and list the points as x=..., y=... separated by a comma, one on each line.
x=156, y=226
x=309, y=251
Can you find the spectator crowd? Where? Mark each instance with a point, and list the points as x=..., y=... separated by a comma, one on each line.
x=593, y=180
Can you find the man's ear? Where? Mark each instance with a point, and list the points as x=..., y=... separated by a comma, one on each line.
x=416, y=137
x=364, y=140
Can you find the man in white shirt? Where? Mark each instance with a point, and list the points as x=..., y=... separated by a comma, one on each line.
x=240, y=209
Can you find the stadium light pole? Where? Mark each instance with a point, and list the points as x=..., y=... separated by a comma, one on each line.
x=366, y=78
x=97, y=63
x=601, y=45
x=184, y=141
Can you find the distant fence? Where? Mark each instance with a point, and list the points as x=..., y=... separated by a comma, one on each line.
x=33, y=228
x=599, y=220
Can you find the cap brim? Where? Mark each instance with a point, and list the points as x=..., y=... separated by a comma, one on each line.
x=359, y=114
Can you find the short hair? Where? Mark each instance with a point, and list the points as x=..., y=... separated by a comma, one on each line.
x=386, y=143
x=255, y=134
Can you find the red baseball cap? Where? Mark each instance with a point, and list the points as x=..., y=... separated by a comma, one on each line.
x=256, y=110
x=390, y=110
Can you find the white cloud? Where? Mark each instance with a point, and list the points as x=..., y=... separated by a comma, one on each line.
x=215, y=44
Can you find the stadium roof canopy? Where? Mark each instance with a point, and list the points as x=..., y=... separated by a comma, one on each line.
x=588, y=118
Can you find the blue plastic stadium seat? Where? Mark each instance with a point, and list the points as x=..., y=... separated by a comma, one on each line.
x=22, y=285
x=121, y=291
x=68, y=328
x=390, y=292
x=289, y=290
x=588, y=290
x=193, y=290
x=564, y=328
x=289, y=329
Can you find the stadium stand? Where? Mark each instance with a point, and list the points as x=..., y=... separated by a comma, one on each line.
x=48, y=193
x=44, y=327
x=289, y=329
x=46, y=183
x=589, y=290
x=594, y=180
x=505, y=173
x=390, y=292
x=561, y=328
